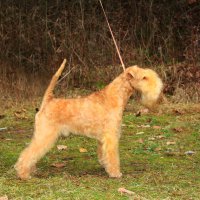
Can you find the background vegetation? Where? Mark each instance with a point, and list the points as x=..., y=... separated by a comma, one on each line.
x=160, y=155
x=35, y=35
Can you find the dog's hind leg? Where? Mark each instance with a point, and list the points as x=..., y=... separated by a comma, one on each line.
x=39, y=146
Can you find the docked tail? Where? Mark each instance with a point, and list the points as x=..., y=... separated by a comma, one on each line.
x=49, y=91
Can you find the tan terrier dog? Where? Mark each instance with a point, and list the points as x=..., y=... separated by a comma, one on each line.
x=98, y=116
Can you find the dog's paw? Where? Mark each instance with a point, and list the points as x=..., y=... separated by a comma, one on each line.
x=23, y=174
x=115, y=175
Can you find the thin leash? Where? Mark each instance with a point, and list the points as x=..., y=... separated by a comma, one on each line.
x=118, y=52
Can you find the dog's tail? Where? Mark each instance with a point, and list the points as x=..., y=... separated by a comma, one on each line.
x=49, y=91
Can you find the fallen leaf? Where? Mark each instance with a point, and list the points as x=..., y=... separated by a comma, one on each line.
x=189, y=152
x=156, y=137
x=131, y=193
x=83, y=150
x=144, y=126
x=123, y=190
x=3, y=128
x=141, y=141
x=145, y=110
x=61, y=147
x=151, y=138
x=149, y=120
x=8, y=139
x=4, y=197
x=160, y=136
x=58, y=165
x=156, y=127
x=170, y=143
x=157, y=149
x=178, y=112
x=178, y=129
x=140, y=133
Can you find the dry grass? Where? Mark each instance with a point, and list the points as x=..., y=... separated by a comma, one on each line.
x=35, y=36
x=17, y=84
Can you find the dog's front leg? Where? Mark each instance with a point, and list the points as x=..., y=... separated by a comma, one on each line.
x=110, y=155
x=100, y=153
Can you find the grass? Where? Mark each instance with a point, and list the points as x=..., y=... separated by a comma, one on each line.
x=152, y=151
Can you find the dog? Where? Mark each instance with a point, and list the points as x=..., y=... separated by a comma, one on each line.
x=98, y=115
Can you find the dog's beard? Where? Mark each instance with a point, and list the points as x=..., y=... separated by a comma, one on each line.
x=149, y=100
x=150, y=97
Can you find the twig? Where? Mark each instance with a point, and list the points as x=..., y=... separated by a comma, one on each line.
x=113, y=36
x=66, y=74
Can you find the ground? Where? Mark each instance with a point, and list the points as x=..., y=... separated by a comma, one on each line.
x=160, y=157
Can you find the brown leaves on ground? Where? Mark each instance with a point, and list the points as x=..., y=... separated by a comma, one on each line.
x=140, y=140
x=61, y=147
x=178, y=129
x=132, y=194
x=170, y=143
x=140, y=133
x=158, y=137
x=3, y=128
x=190, y=153
x=125, y=191
x=178, y=112
x=83, y=150
x=58, y=165
x=144, y=126
x=148, y=126
x=156, y=127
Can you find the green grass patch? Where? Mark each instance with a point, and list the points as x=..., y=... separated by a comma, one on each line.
x=153, y=158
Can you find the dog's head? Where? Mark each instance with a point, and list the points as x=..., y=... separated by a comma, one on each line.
x=145, y=81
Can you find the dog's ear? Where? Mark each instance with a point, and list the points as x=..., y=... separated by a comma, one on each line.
x=130, y=75
x=131, y=72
